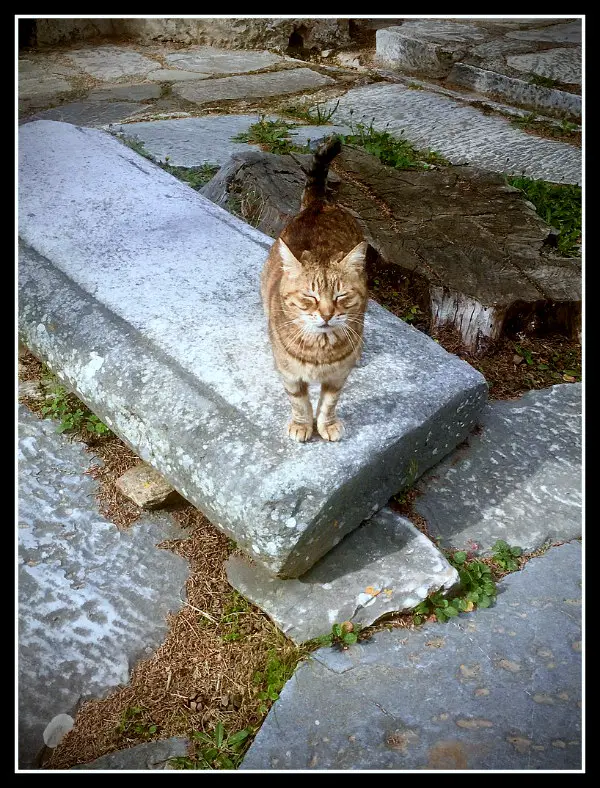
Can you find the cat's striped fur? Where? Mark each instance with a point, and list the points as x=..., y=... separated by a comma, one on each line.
x=314, y=291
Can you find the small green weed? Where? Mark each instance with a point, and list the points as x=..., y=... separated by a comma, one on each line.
x=134, y=725
x=315, y=116
x=238, y=606
x=215, y=750
x=560, y=366
x=531, y=122
x=342, y=635
x=196, y=177
x=415, y=86
x=542, y=81
x=559, y=205
x=273, y=134
x=411, y=314
x=476, y=587
x=504, y=555
x=390, y=150
x=271, y=680
x=70, y=411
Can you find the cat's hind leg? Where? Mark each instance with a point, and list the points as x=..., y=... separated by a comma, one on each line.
x=300, y=427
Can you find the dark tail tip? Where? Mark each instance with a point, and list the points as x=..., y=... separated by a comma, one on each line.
x=314, y=191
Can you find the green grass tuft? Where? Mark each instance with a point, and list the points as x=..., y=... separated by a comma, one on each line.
x=559, y=205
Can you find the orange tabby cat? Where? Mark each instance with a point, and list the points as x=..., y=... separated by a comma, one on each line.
x=314, y=291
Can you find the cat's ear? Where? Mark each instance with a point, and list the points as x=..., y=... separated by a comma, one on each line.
x=354, y=261
x=290, y=264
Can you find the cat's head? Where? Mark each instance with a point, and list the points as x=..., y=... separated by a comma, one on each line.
x=322, y=296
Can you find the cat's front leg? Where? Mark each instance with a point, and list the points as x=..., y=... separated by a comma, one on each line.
x=300, y=427
x=329, y=427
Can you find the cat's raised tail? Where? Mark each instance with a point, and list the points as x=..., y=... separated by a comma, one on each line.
x=314, y=191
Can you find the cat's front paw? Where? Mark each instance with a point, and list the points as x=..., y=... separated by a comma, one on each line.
x=300, y=432
x=331, y=432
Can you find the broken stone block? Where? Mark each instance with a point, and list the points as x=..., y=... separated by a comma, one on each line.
x=143, y=297
x=426, y=46
x=32, y=389
x=145, y=487
x=384, y=566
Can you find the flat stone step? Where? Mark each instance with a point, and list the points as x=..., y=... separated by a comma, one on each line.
x=386, y=565
x=427, y=47
x=98, y=596
x=498, y=688
x=278, y=83
x=461, y=133
x=515, y=90
x=489, y=60
x=190, y=142
x=519, y=479
x=143, y=297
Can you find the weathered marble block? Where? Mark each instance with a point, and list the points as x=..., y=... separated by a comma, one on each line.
x=143, y=297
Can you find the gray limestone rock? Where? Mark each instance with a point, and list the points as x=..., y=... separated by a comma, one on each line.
x=239, y=33
x=145, y=487
x=386, y=565
x=57, y=729
x=52, y=31
x=32, y=389
x=173, y=75
x=515, y=90
x=566, y=33
x=115, y=274
x=93, y=600
x=498, y=689
x=211, y=60
x=563, y=65
x=110, y=62
x=518, y=480
x=150, y=755
x=91, y=113
x=125, y=93
x=190, y=142
x=461, y=133
x=426, y=46
x=277, y=83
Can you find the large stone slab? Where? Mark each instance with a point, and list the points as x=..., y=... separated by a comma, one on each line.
x=473, y=248
x=563, y=65
x=276, y=83
x=461, y=133
x=91, y=113
x=143, y=296
x=38, y=85
x=428, y=47
x=499, y=689
x=515, y=90
x=93, y=600
x=109, y=62
x=125, y=93
x=567, y=33
x=190, y=142
x=211, y=60
x=519, y=479
x=386, y=565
